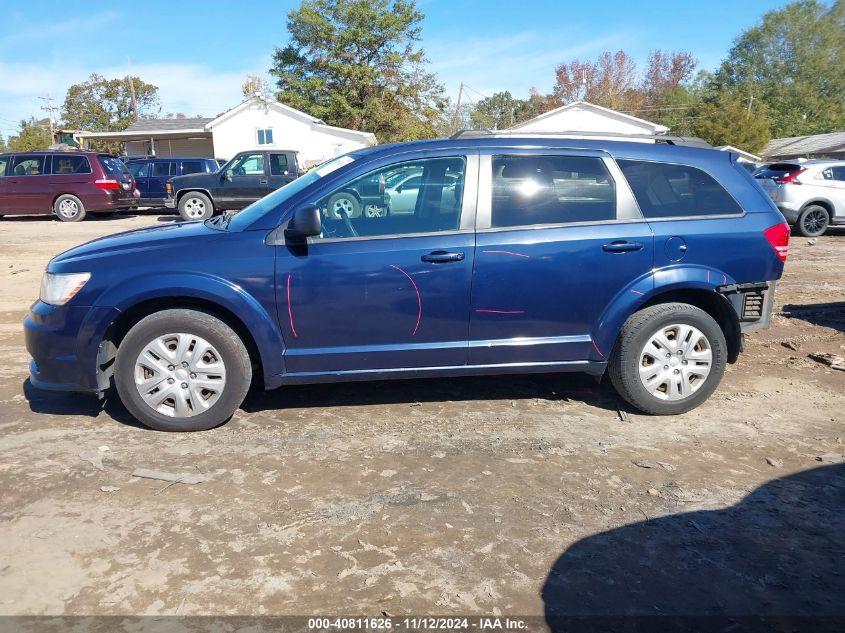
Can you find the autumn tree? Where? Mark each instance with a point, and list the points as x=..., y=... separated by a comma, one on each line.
x=610, y=81
x=32, y=135
x=105, y=105
x=358, y=64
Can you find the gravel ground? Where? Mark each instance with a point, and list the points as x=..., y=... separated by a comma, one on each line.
x=498, y=495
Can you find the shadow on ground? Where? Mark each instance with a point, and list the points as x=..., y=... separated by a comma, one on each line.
x=773, y=562
x=830, y=315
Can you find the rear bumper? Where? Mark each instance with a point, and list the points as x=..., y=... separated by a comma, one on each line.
x=752, y=303
x=64, y=344
x=790, y=213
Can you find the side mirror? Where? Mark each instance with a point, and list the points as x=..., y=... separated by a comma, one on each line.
x=305, y=222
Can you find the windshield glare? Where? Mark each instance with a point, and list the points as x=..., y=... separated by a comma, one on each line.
x=272, y=201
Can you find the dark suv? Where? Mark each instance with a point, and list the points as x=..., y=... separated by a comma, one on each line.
x=243, y=180
x=66, y=184
x=645, y=261
x=151, y=174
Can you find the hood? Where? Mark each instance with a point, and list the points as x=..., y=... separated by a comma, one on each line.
x=203, y=180
x=137, y=241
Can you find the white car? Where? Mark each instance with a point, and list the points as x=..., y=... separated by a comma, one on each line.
x=810, y=194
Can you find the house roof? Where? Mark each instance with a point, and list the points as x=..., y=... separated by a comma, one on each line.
x=161, y=125
x=585, y=105
x=801, y=145
x=742, y=153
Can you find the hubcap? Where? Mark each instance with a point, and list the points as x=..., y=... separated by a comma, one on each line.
x=675, y=362
x=814, y=221
x=180, y=375
x=68, y=208
x=194, y=208
x=345, y=205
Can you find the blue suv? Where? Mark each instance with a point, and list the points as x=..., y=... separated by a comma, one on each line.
x=151, y=175
x=646, y=259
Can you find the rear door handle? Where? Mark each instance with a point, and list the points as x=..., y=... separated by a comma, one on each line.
x=442, y=257
x=262, y=182
x=622, y=247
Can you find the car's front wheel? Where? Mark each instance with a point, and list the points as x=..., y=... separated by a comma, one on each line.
x=182, y=370
x=812, y=221
x=344, y=203
x=669, y=358
x=195, y=206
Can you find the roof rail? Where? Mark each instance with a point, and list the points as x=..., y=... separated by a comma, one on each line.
x=689, y=141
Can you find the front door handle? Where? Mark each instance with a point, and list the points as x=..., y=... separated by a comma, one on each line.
x=622, y=247
x=442, y=257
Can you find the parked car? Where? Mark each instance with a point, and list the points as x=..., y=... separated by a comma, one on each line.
x=646, y=262
x=67, y=184
x=810, y=194
x=243, y=180
x=151, y=174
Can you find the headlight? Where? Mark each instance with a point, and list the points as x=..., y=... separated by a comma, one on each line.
x=57, y=288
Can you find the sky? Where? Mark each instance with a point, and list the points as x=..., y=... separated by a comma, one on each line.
x=198, y=53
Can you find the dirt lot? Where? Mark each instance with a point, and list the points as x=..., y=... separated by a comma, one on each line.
x=511, y=495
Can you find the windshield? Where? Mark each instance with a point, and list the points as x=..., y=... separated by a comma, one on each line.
x=258, y=208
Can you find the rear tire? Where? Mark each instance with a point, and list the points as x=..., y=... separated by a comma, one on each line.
x=69, y=208
x=182, y=370
x=812, y=221
x=668, y=359
x=195, y=207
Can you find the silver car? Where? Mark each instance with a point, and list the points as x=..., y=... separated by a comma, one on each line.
x=810, y=194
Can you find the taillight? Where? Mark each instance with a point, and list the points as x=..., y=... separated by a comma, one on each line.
x=790, y=178
x=107, y=183
x=778, y=236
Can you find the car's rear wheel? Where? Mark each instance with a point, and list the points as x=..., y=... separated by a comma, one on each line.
x=182, y=370
x=195, y=206
x=812, y=221
x=669, y=358
x=69, y=208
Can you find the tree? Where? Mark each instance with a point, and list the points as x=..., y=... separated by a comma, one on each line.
x=357, y=64
x=106, y=105
x=610, y=81
x=501, y=111
x=32, y=135
x=3, y=147
x=727, y=119
x=793, y=62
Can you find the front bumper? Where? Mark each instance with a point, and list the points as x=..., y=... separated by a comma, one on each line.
x=170, y=203
x=64, y=343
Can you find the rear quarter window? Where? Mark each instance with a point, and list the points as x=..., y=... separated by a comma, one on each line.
x=667, y=190
x=114, y=167
x=195, y=167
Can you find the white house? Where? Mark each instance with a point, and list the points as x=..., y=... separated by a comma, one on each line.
x=581, y=116
x=257, y=123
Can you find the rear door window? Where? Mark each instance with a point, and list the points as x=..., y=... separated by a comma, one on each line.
x=163, y=169
x=63, y=165
x=668, y=190
x=4, y=161
x=139, y=168
x=838, y=173
x=28, y=165
x=533, y=190
x=278, y=164
x=193, y=167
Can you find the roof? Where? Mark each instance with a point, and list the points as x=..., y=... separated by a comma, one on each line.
x=159, y=125
x=801, y=145
x=585, y=105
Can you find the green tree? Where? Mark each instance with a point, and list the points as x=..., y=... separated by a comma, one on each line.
x=105, y=105
x=726, y=119
x=794, y=63
x=357, y=64
x=3, y=146
x=501, y=111
x=31, y=135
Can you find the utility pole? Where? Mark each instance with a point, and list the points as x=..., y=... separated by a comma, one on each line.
x=50, y=109
x=132, y=96
x=750, y=102
x=455, y=119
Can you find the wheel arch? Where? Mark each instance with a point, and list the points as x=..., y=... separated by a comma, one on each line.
x=826, y=204
x=239, y=310
x=182, y=192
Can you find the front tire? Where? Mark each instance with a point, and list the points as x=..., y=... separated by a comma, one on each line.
x=195, y=206
x=182, y=370
x=812, y=221
x=668, y=359
x=344, y=201
x=69, y=208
